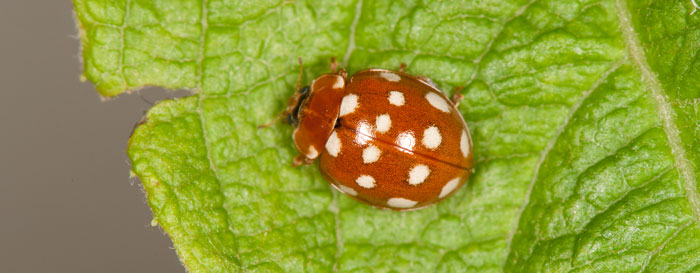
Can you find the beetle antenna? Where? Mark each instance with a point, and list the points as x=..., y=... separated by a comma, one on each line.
x=291, y=103
x=272, y=122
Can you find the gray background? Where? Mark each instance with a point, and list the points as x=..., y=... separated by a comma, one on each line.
x=66, y=201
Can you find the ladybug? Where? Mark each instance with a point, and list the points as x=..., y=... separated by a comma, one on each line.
x=383, y=137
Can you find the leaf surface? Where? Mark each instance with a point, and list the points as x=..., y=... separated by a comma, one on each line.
x=584, y=117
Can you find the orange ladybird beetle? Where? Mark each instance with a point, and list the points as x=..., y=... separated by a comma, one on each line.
x=386, y=138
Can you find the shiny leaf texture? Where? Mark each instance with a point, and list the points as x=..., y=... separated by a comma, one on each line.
x=584, y=117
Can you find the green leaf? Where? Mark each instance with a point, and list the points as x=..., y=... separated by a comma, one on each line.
x=584, y=117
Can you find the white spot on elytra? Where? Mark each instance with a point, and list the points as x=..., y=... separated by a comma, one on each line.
x=348, y=104
x=365, y=133
x=347, y=190
x=406, y=140
x=432, y=137
x=449, y=187
x=464, y=144
x=396, y=98
x=339, y=83
x=333, y=145
x=371, y=154
x=389, y=76
x=383, y=123
x=437, y=101
x=402, y=203
x=418, y=174
x=365, y=181
x=313, y=153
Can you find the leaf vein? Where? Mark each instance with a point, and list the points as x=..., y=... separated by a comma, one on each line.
x=489, y=45
x=202, y=123
x=658, y=250
x=551, y=144
x=339, y=244
x=665, y=109
x=353, y=29
x=122, y=43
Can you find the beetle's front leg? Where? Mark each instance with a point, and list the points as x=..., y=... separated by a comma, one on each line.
x=302, y=160
x=457, y=95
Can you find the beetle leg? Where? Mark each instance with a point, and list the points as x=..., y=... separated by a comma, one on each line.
x=402, y=67
x=298, y=160
x=343, y=73
x=457, y=95
x=334, y=65
x=302, y=160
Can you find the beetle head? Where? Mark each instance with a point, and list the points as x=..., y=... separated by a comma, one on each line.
x=297, y=101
